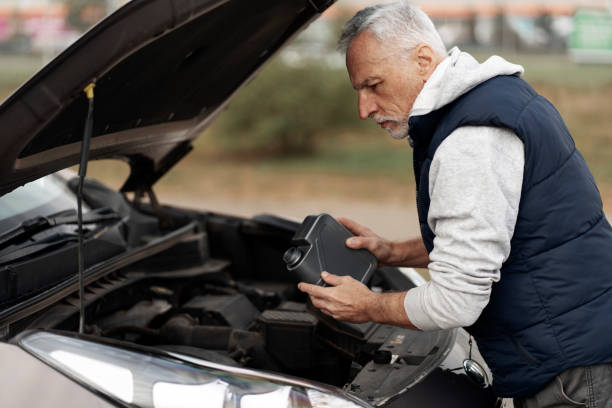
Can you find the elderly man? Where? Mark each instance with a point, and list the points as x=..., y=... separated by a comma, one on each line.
x=512, y=228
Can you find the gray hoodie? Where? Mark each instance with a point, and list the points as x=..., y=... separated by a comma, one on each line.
x=475, y=186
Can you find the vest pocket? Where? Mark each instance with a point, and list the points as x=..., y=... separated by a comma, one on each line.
x=521, y=361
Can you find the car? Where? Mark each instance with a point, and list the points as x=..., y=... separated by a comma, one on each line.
x=175, y=307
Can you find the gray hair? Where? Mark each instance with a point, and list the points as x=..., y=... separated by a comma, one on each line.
x=401, y=23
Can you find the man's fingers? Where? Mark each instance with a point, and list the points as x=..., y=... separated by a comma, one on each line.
x=356, y=242
x=362, y=242
x=317, y=302
x=331, y=279
x=312, y=290
x=354, y=226
x=322, y=305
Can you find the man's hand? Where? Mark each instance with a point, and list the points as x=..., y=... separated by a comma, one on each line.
x=411, y=253
x=349, y=300
x=367, y=239
x=345, y=299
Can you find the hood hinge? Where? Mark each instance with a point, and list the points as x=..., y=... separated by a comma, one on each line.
x=165, y=222
x=320, y=5
x=5, y=331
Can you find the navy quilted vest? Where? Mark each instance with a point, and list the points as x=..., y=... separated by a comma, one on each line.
x=552, y=308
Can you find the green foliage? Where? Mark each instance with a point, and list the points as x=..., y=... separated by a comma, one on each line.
x=82, y=14
x=14, y=71
x=286, y=110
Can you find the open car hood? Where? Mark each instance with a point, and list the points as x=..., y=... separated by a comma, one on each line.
x=162, y=68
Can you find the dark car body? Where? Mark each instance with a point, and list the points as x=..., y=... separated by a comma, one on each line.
x=170, y=291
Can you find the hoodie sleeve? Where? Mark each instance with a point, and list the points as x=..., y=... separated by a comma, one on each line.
x=475, y=184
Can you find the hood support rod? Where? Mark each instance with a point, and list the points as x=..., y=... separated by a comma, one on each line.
x=89, y=92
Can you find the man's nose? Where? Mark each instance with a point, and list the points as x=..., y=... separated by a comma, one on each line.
x=367, y=106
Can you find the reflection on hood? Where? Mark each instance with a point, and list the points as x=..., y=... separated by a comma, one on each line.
x=456, y=75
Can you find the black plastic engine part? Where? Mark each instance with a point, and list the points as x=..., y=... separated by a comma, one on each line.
x=382, y=357
x=292, y=306
x=289, y=337
x=189, y=252
x=249, y=349
x=184, y=330
x=242, y=346
x=235, y=311
x=23, y=278
x=353, y=339
x=140, y=315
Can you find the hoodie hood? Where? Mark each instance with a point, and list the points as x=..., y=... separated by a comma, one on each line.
x=457, y=74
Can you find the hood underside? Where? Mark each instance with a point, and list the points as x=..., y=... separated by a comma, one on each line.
x=162, y=69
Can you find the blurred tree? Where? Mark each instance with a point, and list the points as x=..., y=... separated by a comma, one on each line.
x=286, y=109
x=82, y=14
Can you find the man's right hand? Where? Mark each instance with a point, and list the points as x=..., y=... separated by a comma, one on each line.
x=367, y=239
x=410, y=253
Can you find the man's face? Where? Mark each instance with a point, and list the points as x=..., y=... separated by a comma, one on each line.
x=387, y=82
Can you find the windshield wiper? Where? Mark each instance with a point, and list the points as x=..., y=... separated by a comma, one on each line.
x=35, y=225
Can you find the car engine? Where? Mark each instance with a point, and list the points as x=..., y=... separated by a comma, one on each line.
x=215, y=287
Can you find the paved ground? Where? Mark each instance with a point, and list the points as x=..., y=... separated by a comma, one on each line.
x=391, y=220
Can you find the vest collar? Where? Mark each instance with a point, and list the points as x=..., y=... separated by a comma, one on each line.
x=422, y=127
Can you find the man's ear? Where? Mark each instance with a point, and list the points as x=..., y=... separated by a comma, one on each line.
x=426, y=59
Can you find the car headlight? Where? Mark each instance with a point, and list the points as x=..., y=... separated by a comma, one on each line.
x=147, y=379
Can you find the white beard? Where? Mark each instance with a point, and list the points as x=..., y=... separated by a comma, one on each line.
x=400, y=132
x=401, y=126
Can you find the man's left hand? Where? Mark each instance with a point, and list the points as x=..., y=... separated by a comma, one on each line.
x=345, y=299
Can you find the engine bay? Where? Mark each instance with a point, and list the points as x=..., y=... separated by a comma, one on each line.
x=215, y=287
x=192, y=304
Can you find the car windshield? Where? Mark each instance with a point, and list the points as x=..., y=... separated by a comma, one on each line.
x=44, y=196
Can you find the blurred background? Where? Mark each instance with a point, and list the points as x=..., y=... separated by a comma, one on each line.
x=302, y=148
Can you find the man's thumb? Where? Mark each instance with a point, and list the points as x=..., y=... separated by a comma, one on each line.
x=361, y=242
x=330, y=278
x=354, y=243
